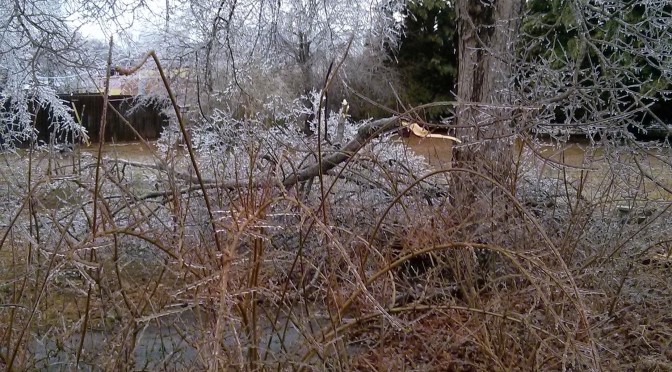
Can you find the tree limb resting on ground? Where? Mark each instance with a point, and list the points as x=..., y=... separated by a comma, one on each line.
x=364, y=134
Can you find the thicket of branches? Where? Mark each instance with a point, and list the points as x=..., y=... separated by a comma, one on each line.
x=236, y=241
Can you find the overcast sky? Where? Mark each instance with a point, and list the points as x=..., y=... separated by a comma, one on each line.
x=129, y=24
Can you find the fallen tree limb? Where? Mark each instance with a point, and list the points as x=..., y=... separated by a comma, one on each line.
x=364, y=134
x=159, y=166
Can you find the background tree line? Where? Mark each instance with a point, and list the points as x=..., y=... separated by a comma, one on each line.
x=247, y=54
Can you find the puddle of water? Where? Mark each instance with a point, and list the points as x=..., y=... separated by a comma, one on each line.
x=164, y=345
x=437, y=151
x=155, y=345
x=135, y=151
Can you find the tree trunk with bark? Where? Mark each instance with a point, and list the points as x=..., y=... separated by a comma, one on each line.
x=487, y=30
x=483, y=122
x=303, y=59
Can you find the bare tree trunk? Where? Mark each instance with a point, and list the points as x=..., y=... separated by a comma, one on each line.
x=483, y=116
x=303, y=59
x=486, y=33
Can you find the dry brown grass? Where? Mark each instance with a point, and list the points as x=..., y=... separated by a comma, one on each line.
x=556, y=278
x=272, y=252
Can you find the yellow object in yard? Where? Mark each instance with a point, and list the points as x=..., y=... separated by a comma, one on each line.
x=419, y=131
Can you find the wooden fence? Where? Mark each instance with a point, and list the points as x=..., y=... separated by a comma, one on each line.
x=147, y=120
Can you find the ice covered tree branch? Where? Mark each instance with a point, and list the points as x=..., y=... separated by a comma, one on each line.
x=365, y=134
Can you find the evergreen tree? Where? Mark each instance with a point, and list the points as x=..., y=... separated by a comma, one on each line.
x=427, y=55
